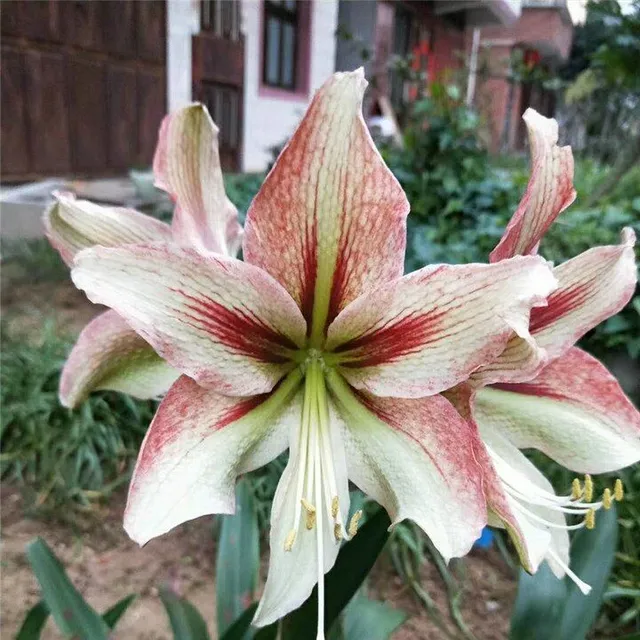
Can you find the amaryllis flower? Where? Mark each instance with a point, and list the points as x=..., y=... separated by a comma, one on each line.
x=545, y=393
x=317, y=344
x=108, y=353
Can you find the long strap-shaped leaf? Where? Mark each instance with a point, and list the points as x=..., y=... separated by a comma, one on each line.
x=186, y=621
x=238, y=560
x=73, y=616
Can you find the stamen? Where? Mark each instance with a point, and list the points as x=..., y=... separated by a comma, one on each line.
x=546, y=523
x=337, y=532
x=618, y=490
x=291, y=538
x=311, y=513
x=576, y=489
x=319, y=532
x=335, y=505
x=583, y=586
x=590, y=519
x=606, y=498
x=353, y=524
x=588, y=488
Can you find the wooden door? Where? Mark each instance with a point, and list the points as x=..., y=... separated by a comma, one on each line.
x=218, y=74
x=83, y=86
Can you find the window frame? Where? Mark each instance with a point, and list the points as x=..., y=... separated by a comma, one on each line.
x=284, y=16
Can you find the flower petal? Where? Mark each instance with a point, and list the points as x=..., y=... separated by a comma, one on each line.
x=283, y=594
x=73, y=225
x=592, y=287
x=574, y=411
x=226, y=324
x=187, y=166
x=416, y=458
x=111, y=355
x=429, y=330
x=549, y=192
x=198, y=443
x=532, y=539
x=330, y=220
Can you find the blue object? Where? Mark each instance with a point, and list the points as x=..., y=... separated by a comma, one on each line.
x=485, y=540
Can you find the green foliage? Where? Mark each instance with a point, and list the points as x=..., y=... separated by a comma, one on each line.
x=186, y=621
x=31, y=261
x=556, y=609
x=238, y=560
x=241, y=188
x=62, y=457
x=73, y=616
x=456, y=195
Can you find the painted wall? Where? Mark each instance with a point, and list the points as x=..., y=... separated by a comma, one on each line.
x=270, y=117
x=183, y=21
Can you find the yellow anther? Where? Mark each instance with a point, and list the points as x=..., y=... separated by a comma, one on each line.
x=588, y=488
x=590, y=519
x=576, y=489
x=606, y=498
x=311, y=514
x=335, y=505
x=353, y=524
x=291, y=538
x=337, y=531
x=618, y=490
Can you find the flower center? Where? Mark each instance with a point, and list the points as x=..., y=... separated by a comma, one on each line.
x=317, y=491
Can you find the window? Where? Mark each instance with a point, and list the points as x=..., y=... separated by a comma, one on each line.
x=280, y=43
x=222, y=17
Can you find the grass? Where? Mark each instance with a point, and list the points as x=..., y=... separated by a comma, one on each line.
x=61, y=457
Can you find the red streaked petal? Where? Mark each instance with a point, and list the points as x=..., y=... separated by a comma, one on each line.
x=72, y=225
x=416, y=458
x=329, y=221
x=574, y=411
x=430, y=330
x=198, y=443
x=228, y=325
x=111, y=355
x=187, y=166
x=549, y=192
x=592, y=287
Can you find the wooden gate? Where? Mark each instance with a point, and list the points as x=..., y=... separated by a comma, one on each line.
x=83, y=86
x=218, y=73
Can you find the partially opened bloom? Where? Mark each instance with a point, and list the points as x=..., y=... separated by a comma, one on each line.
x=316, y=343
x=108, y=353
x=545, y=393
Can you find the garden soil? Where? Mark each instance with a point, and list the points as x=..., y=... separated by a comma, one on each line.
x=105, y=566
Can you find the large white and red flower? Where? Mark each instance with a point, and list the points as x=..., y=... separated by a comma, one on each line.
x=316, y=343
x=543, y=392
x=108, y=353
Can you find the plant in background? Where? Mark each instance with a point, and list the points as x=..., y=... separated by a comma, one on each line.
x=108, y=353
x=456, y=196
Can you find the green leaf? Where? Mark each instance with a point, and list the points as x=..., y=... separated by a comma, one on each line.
x=186, y=621
x=592, y=556
x=539, y=605
x=112, y=615
x=241, y=625
x=73, y=616
x=238, y=559
x=354, y=562
x=34, y=622
x=366, y=619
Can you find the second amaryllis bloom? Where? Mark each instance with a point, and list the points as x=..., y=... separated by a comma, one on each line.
x=316, y=343
x=109, y=354
x=543, y=392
